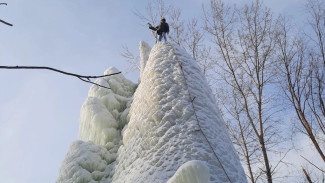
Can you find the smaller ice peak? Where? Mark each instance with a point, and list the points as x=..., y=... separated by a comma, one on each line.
x=144, y=55
x=118, y=84
x=103, y=115
x=105, y=112
x=194, y=171
x=111, y=70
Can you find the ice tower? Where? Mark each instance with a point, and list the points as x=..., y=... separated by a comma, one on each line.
x=166, y=129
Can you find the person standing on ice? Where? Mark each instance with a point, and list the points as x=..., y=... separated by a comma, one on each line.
x=161, y=29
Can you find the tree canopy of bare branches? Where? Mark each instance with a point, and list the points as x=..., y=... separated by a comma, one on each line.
x=245, y=43
x=302, y=68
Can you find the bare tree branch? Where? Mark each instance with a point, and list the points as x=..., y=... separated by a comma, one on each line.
x=6, y=23
x=81, y=77
x=132, y=59
x=88, y=81
x=2, y=21
x=312, y=164
x=303, y=76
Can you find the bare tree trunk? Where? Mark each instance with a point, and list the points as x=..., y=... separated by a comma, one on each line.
x=310, y=133
x=235, y=109
x=307, y=175
x=246, y=153
x=297, y=104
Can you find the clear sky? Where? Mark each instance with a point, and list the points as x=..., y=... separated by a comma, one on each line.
x=39, y=110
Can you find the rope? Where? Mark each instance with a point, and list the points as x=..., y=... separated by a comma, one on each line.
x=197, y=119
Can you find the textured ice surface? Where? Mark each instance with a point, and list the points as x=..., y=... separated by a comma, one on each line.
x=191, y=172
x=104, y=113
x=144, y=55
x=103, y=116
x=162, y=134
x=87, y=162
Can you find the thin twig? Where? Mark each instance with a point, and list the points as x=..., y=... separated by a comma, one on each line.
x=6, y=23
x=87, y=81
x=312, y=164
x=2, y=20
x=81, y=77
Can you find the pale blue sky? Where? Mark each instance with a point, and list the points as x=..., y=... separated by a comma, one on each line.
x=39, y=110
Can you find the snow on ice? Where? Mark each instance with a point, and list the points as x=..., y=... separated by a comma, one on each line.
x=153, y=132
x=103, y=116
x=192, y=171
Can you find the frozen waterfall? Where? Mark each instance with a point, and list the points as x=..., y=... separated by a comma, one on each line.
x=165, y=129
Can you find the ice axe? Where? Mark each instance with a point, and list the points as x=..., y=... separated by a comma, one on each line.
x=152, y=27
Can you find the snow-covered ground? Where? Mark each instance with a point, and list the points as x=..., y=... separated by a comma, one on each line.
x=170, y=130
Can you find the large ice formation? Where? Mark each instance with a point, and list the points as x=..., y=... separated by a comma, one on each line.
x=168, y=130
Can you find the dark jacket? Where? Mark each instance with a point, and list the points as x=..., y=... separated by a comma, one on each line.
x=163, y=27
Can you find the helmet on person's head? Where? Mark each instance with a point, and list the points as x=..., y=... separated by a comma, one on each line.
x=163, y=19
